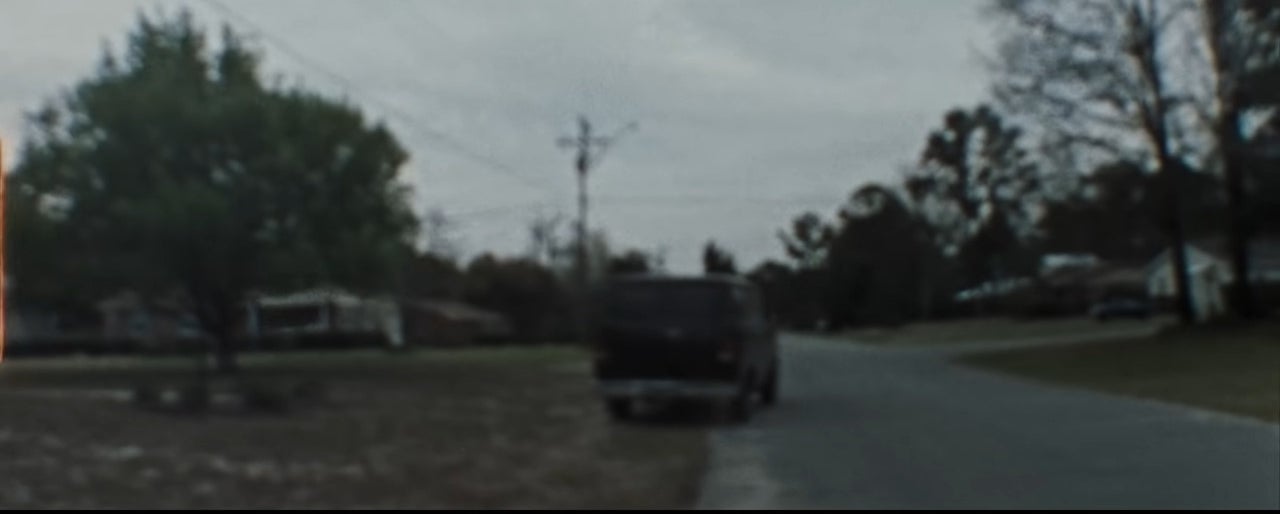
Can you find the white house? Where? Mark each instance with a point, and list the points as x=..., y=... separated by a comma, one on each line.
x=324, y=310
x=1209, y=267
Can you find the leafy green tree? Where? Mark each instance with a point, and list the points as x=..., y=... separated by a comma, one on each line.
x=807, y=243
x=977, y=184
x=633, y=262
x=432, y=276
x=882, y=266
x=778, y=287
x=530, y=295
x=717, y=260
x=172, y=167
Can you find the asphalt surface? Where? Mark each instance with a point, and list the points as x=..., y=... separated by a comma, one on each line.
x=858, y=427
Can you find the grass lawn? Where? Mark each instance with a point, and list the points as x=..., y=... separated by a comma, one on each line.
x=1229, y=369
x=986, y=330
x=485, y=428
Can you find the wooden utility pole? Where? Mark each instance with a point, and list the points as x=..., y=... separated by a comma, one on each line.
x=590, y=149
x=3, y=292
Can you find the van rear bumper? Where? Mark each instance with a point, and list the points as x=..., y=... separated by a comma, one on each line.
x=665, y=388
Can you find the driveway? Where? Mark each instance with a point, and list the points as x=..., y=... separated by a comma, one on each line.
x=862, y=427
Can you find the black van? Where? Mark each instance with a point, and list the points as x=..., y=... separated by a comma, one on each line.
x=663, y=338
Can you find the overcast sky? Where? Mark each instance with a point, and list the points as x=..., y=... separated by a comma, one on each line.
x=749, y=112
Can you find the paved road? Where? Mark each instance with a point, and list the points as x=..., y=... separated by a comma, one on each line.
x=861, y=427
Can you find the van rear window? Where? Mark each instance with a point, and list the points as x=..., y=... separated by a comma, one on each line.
x=671, y=301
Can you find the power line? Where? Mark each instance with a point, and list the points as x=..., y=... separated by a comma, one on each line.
x=441, y=138
x=447, y=141
x=495, y=210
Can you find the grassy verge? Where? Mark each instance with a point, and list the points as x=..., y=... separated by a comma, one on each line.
x=492, y=428
x=985, y=330
x=1234, y=370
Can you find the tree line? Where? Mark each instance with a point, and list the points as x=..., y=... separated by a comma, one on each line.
x=175, y=169
x=1118, y=128
x=1115, y=127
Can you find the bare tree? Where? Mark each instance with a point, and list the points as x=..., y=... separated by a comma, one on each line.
x=658, y=258
x=544, y=238
x=1102, y=78
x=807, y=241
x=438, y=231
x=1239, y=41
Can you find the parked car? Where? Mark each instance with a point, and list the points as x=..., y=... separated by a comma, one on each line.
x=1113, y=308
x=663, y=338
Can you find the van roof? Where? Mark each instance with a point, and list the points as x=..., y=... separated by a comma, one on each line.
x=719, y=278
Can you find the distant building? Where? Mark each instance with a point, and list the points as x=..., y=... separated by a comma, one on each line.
x=323, y=311
x=1067, y=285
x=1074, y=290
x=1209, y=267
x=331, y=311
x=448, y=323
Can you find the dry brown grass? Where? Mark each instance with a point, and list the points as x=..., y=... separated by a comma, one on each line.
x=514, y=428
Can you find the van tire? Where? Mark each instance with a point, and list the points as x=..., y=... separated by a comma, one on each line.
x=740, y=408
x=769, y=390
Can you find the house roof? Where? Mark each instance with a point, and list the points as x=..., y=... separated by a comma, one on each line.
x=1099, y=275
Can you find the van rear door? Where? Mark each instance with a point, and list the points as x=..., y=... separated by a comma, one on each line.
x=669, y=330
